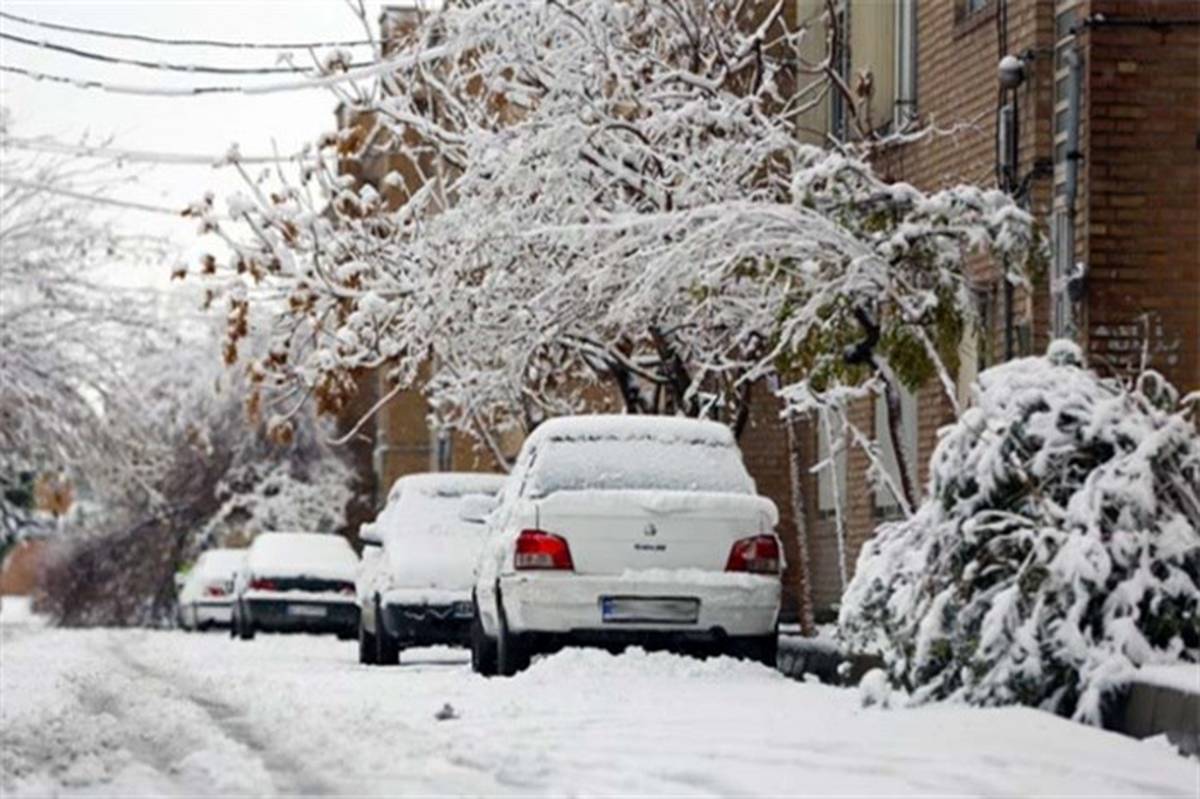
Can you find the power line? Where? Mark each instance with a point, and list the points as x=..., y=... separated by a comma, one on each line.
x=195, y=91
x=161, y=65
x=96, y=199
x=136, y=37
x=45, y=145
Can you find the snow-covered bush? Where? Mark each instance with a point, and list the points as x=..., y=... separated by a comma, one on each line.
x=281, y=496
x=1058, y=549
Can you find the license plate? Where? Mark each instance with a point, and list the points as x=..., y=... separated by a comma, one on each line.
x=464, y=610
x=306, y=610
x=666, y=610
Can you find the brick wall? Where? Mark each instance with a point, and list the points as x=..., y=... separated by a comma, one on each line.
x=1141, y=210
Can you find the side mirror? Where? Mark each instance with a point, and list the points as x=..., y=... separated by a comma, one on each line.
x=369, y=535
x=476, y=508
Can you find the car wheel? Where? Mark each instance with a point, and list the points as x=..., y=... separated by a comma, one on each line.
x=246, y=630
x=387, y=648
x=483, y=649
x=366, y=644
x=762, y=649
x=511, y=656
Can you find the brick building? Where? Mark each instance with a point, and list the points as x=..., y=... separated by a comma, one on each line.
x=1100, y=139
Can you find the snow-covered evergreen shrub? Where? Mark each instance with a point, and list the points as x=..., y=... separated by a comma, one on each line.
x=1058, y=547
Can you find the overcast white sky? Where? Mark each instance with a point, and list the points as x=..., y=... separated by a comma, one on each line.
x=206, y=125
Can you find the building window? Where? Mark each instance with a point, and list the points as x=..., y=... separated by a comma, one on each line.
x=971, y=6
x=886, y=502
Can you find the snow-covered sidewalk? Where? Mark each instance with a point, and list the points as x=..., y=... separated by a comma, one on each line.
x=134, y=712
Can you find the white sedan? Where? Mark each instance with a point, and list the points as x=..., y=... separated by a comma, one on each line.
x=414, y=586
x=206, y=598
x=623, y=530
x=296, y=582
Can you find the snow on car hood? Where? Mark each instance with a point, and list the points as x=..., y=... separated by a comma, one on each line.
x=322, y=556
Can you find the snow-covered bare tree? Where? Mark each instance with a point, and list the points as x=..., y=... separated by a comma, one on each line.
x=1058, y=550
x=600, y=192
x=223, y=478
x=68, y=400
x=600, y=203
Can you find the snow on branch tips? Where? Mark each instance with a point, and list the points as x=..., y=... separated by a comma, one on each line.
x=1058, y=550
x=592, y=193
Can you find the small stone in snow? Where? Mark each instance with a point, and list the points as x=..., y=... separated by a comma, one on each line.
x=446, y=713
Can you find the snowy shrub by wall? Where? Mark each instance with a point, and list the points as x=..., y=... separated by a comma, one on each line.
x=1058, y=547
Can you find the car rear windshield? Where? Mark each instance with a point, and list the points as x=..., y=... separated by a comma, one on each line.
x=638, y=463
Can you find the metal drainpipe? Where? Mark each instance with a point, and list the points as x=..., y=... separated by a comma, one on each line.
x=1071, y=189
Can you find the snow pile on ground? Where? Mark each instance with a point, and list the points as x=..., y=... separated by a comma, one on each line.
x=598, y=665
x=125, y=712
x=1058, y=549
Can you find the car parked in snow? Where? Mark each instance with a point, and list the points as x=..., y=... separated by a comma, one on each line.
x=296, y=582
x=619, y=530
x=414, y=586
x=206, y=594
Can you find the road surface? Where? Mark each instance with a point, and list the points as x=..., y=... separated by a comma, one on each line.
x=134, y=712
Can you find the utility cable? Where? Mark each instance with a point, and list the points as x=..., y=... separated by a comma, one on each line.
x=46, y=145
x=136, y=37
x=96, y=199
x=162, y=65
x=195, y=91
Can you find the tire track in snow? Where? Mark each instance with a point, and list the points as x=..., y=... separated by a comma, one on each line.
x=289, y=776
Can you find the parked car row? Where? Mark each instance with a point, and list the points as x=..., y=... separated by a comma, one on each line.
x=610, y=531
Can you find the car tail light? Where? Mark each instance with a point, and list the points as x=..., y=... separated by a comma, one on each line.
x=259, y=584
x=758, y=555
x=537, y=549
x=215, y=590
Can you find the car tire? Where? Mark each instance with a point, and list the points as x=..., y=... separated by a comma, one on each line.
x=387, y=648
x=483, y=649
x=246, y=628
x=762, y=649
x=366, y=644
x=511, y=656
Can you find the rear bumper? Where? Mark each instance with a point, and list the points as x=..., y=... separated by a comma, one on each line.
x=277, y=615
x=424, y=625
x=213, y=613
x=568, y=606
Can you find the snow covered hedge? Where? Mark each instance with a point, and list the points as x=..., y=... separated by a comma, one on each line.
x=1057, y=549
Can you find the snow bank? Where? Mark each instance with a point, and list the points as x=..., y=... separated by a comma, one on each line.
x=600, y=666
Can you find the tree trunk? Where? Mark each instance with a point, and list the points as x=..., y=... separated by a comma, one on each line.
x=808, y=625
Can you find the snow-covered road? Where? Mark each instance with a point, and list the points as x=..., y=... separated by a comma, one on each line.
x=103, y=713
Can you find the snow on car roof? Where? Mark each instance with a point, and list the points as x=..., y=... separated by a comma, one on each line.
x=617, y=426
x=221, y=562
x=582, y=453
x=449, y=484
x=311, y=554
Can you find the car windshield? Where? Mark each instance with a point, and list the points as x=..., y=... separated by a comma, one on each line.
x=638, y=463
